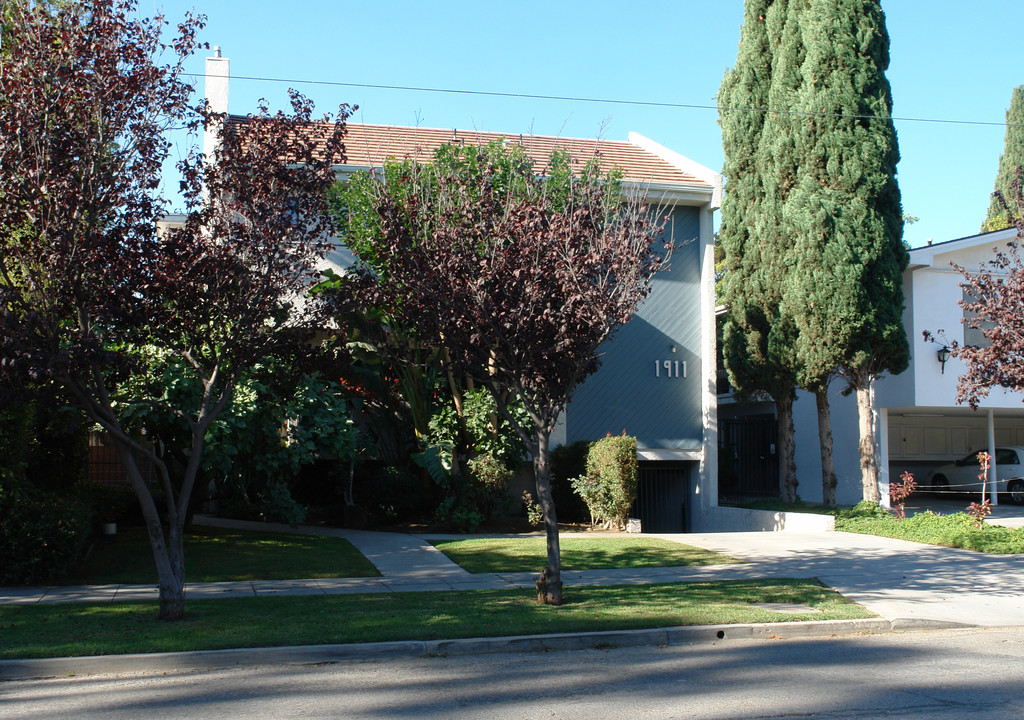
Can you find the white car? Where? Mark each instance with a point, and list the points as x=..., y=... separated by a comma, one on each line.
x=962, y=475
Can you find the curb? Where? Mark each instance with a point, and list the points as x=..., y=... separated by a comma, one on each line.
x=156, y=663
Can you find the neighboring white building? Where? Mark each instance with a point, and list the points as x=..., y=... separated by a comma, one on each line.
x=919, y=426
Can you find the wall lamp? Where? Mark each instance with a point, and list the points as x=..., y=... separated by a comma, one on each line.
x=943, y=355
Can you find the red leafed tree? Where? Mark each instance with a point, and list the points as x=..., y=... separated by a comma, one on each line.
x=996, y=308
x=521, y=277
x=92, y=296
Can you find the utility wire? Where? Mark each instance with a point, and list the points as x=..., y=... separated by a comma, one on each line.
x=611, y=101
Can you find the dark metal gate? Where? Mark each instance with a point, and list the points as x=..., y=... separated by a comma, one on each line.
x=661, y=491
x=748, y=466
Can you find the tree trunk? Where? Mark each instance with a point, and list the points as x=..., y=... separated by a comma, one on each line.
x=168, y=551
x=787, y=448
x=868, y=447
x=828, y=467
x=549, y=585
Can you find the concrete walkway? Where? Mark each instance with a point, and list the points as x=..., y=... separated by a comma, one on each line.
x=900, y=581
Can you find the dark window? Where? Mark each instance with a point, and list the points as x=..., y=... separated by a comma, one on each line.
x=975, y=336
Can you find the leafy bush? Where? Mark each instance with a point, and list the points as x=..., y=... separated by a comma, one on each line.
x=609, y=487
x=393, y=494
x=472, y=459
x=42, y=536
x=257, y=448
x=458, y=514
x=109, y=502
x=492, y=480
x=43, y=440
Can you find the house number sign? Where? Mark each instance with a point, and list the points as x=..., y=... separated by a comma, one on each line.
x=670, y=368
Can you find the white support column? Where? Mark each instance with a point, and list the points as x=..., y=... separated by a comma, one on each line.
x=882, y=443
x=993, y=495
x=707, y=487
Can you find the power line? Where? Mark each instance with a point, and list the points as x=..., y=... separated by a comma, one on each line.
x=606, y=101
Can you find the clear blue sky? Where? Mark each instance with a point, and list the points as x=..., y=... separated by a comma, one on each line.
x=951, y=61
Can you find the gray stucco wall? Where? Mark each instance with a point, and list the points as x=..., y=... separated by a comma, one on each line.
x=634, y=391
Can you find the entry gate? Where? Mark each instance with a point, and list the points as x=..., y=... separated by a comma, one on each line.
x=661, y=491
x=748, y=466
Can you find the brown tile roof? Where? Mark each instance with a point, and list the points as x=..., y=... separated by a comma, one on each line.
x=372, y=145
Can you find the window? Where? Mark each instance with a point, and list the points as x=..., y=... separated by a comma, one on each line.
x=1006, y=457
x=974, y=337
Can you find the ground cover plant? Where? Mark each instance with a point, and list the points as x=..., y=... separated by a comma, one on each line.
x=219, y=554
x=91, y=629
x=952, y=530
x=485, y=555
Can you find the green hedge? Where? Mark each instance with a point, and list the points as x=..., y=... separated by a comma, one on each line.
x=609, y=486
x=42, y=536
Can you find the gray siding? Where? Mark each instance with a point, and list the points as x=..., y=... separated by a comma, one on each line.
x=626, y=394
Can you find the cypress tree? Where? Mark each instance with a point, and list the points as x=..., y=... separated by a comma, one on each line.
x=749, y=288
x=1010, y=163
x=844, y=213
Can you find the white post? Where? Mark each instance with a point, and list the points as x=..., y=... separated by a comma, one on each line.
x=882, y=443
x=707, y=487
x=992, y=457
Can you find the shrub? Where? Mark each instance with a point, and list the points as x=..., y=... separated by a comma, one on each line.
x=109, y=502
x=42, y=536
x=492, y=482
x=609, y=487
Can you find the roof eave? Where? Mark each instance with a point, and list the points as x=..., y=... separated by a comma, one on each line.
x=685, y=164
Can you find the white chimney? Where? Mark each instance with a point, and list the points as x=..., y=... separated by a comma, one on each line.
x=217, y=74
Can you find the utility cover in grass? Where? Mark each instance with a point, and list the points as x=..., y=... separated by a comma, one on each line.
x=786, y=608
x=524, y=554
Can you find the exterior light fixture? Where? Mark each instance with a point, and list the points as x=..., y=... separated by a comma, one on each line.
x=943, y=355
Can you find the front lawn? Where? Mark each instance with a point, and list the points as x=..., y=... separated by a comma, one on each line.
x=34, y=631
x=213, y=554
x=492, y=555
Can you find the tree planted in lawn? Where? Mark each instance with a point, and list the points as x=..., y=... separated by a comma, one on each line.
x=92, y=296
x=520, y=276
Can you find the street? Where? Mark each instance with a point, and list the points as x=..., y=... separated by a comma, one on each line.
x=958, y=673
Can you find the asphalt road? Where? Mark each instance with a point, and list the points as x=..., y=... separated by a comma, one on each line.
x=976, y=673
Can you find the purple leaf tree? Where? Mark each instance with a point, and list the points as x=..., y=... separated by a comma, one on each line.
x=92, y=295
x=519, y=275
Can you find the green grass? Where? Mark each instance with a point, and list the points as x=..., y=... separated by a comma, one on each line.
x=488, y=555
x=776, y=505
x=213, y=554
x=952, y=530
x=86, y=629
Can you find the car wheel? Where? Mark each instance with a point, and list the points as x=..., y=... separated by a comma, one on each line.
x=1015, y=489
x=939, y=483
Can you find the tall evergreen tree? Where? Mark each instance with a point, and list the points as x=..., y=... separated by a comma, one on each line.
x=752, y=341
x=1010, y=163
x=844, y=213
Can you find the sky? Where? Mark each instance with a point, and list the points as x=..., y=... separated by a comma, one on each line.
x=654, y=66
